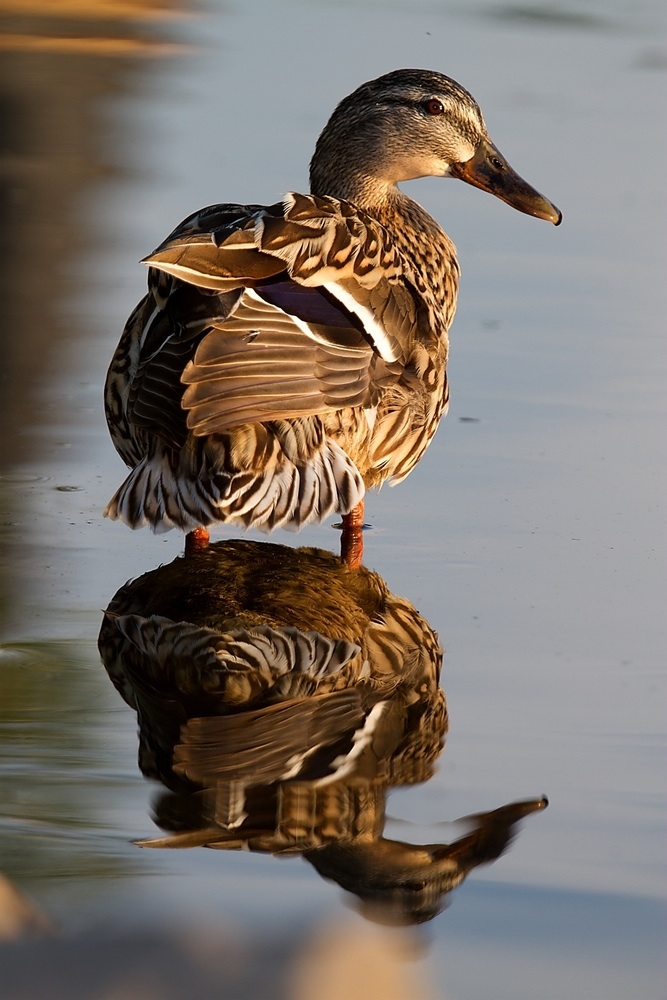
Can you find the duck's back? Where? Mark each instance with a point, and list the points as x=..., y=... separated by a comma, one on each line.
x=284, y=359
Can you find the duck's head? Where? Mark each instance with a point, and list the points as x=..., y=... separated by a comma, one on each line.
x=415, y=123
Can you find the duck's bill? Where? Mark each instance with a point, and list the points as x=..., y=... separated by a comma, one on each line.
x=489, y=170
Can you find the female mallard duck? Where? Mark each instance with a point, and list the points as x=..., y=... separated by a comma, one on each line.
x=287, y=357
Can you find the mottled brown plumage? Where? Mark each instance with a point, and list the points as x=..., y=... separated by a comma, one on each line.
x=280, y=697
x=250, y=626
x=288, y=357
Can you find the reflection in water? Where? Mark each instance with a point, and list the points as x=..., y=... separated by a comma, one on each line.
x=279, y=697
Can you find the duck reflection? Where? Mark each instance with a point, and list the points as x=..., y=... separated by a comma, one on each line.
x=280, y=696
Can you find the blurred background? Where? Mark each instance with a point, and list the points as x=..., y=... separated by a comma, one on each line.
x=531, y=536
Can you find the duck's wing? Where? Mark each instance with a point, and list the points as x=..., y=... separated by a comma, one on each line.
x=314, y=313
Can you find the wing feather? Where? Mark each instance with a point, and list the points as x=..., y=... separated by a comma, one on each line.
x=317, y=243
x=302, y=308
x=261, y=364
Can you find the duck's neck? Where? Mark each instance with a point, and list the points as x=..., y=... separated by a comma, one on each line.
x=429, y=254
x=365, y=190
x=380, y=199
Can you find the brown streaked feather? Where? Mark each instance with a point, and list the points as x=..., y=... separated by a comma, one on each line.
x=263, y=745
x=191, y=249
x=172, y=319
x=321, y=318
x=262, y=366
x=327, y=245
x=207, y=639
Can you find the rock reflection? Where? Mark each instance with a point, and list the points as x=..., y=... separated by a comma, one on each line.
x=279, y=698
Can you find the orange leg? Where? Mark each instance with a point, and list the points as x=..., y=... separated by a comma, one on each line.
x=352, y=539
x=196, y=541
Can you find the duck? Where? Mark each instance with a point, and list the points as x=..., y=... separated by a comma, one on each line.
x=288, y=357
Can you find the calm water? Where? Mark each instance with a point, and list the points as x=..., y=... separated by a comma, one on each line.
x=531, y=536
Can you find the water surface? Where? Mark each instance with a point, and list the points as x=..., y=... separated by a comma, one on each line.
x=531, y=536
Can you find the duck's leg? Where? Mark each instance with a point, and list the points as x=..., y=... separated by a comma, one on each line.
x=352, y=538
x=196, y=541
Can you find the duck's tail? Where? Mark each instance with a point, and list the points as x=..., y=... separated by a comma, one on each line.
x=156, y=495
x=163, y=491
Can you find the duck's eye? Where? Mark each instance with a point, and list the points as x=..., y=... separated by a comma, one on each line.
x=433, y=106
